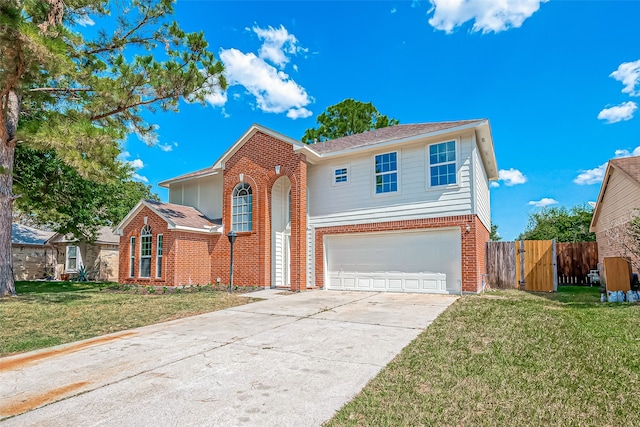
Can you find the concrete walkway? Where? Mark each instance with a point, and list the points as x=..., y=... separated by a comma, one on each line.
x=290, y=360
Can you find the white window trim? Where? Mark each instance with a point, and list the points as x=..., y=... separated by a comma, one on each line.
x=333, y=175
x=132, y=256
x=145, y=256
x=159, y=255
x=398, y=169
x=78, y=260
x=457, y=162
x=233, y=222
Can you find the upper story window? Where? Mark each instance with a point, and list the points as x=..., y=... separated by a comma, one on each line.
x=340, y=175
x=442, y=163
x=145, y=251
x=386, y=169
x=242, y=209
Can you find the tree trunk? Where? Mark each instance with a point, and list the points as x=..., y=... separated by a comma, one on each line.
x=7, y=151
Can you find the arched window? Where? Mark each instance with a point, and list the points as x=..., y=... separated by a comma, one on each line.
x=145, y=251
x=242, y=208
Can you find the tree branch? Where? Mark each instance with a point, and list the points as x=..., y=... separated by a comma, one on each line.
x=126, y=107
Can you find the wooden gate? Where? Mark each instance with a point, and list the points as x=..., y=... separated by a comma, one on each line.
x=501, y=265
x=525, y=264
x=537, y=262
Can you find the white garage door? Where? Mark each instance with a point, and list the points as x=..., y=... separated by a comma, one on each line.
x=415, y=261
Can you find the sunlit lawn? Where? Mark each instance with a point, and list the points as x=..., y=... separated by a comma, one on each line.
x=50, y=313
x=511, y=358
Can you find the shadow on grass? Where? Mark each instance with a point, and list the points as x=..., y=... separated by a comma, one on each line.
x=54, y=287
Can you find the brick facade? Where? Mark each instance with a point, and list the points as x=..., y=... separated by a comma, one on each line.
x=473, y=243
x=201, y=258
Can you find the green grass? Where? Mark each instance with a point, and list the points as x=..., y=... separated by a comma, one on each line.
x=513, y=358
x=51, y=313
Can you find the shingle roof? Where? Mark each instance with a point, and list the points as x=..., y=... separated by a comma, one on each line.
x=194, y=174
x=182, y=216
x=629, y=165
x=25, y=235
x=385, y=134
x=104, y=235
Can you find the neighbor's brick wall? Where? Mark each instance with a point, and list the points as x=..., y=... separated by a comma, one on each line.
x=31, y=262
x=473, y=243
x=256, y=160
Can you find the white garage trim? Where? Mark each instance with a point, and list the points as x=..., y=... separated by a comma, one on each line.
x=423, y=260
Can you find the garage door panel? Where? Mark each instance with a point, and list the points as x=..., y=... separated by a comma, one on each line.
x=423, y=261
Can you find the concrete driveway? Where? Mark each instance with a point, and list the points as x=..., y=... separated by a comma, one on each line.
x=290, y=360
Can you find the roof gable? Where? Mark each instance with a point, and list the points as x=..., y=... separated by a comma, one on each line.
x=627, y=166
x=25, y=235
x=105, y=235
x=177, y=217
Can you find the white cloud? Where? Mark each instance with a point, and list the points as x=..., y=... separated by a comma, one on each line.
x=488, y=15
x=140, y=177
x=137, y=164
x=544, y=202
x=217, y=99
x=629, y=74
x=511, y=177
x=278, y=45
x=394, y=10
x=595, y=175
x=494, y=184
x=165, y=147
x=298, y=113
x=591, y=176
x=618, y=113
x=274, y=90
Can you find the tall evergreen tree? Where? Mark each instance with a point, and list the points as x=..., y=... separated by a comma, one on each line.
x=81, y=96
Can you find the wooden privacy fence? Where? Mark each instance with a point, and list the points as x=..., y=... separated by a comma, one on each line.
x=538, y=265
x=575, y=261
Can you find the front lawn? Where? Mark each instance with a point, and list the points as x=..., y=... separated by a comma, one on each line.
x=513, y=358
x=51, y=313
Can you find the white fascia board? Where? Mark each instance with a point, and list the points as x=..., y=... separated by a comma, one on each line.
x=206, y=230
x=168, y=182
x=484, y=141
x=401, y=141
x=117, y=230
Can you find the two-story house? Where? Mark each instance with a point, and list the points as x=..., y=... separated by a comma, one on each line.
x=403, y=208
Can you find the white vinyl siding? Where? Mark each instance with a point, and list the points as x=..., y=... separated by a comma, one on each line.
x=481, y=194
x=204, y=194
x=357, y=203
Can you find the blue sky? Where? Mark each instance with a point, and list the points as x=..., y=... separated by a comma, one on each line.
x=558, y=80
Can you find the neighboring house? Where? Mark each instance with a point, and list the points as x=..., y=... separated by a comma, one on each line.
x=618, y=201
x=33, y=258
x=403, y=208
x=100, y=258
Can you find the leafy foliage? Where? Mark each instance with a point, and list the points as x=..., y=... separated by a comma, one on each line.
x=74, y=95
x=494, y=236
x=56, y=196
x=346, y=118
x=561, y=224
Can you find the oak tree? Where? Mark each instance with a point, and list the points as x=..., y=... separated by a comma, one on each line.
x=346, y=118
